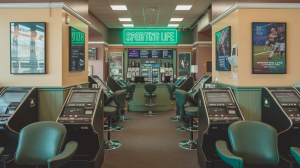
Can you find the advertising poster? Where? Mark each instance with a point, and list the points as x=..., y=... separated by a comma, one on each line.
x=223, y=49
x=77, y=50
x=184, y=65
x=27, y=47
x=116, y=64
x=92, y=54
x=268, y=48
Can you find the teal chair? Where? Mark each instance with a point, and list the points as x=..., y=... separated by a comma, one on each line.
x=130, y=88
x=41, y=143
x=119, y=97
x=251, y=142
x=150, y=88
x=192, y=112
x=171, y=88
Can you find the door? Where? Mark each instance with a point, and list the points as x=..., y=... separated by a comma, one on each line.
x=207, y=66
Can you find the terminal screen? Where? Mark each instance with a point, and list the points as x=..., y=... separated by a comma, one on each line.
x=83, y=97
x=102, y=85
x=287, y=97
x=9, y=97
x=218, y=97
x=199, y=84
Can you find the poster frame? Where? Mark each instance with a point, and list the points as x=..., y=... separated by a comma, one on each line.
x=229, y=48
x=122, y=62
x=179, y=62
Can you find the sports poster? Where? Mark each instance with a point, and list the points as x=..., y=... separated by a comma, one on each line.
x=184, y=65
x=116, y=64
x=27, y=47
x=223, y=49
x=269, y=48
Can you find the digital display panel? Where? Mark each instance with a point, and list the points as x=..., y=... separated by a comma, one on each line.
x=133, y=53
x=287, y=97
x=167, y=54
x=218, y=97
x=9, y=97
x=145, y=54
x=77, y=50
x=27, y=47
x=223, y=49
x=199, y=84
x=82, y=97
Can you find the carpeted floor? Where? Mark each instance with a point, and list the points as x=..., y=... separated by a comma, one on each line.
x=150, y=142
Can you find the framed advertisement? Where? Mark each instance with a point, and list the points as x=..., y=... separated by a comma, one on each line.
x=116, y=64
x=184, y=65
x=76, y=50
x=92, y=54
x=268, y=48
x=27, y=47
x=223, y=47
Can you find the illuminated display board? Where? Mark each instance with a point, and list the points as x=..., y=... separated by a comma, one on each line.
x=150, y=37
x=77, y=50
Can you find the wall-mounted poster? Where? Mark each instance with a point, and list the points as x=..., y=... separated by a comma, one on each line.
x=223, y=46
x=77, y=50
x=90, y=71
x=184, y=65
x=92, y=54
x=27, y=47
x=268, y=48
x=116, y=64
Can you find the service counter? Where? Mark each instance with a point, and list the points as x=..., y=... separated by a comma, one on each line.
x=162, y=100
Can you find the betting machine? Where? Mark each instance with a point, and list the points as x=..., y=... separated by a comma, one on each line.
x=82, y=115
x=217, y=109
x=94, y=79
x=186, y=84
x=193, y=92
x=113, y=84
x=2, y=89
x=18, y=108
x=281, y=109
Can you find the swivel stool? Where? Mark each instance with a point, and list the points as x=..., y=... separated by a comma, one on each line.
x=251, y=142
x=171, y=88
x=181, y=98
x=181, y=112
x=109, y=144
x=119, y=103
x=150, y=88
x=130, y=88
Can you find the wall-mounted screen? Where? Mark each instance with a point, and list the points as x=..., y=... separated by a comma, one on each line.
x=145, y=54
x=133, y=53
x=27, y=47
x=77, y=50
x=223, y=45
x=167, y=54
x=92, y=54
x=268, y=48
x=155, y=54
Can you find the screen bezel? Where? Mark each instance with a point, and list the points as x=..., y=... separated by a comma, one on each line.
x=286, y=93
x=206, y=97
x=83, y=93
x=14, y=92
x=70, y=49
x=229, y=47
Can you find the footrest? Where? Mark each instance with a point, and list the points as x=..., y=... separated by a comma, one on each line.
x=150, y=105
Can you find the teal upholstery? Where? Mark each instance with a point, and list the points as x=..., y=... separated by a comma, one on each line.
x=181, y=97
x=130, y=89
x=191, y=111
x=119, y=97
x=1, y=151
x=296, y=153
x=171, y=88
x=150, y=95
x=150, y=88
x=41, y=143
x=254, y=142
x=109, y=111
x=113, y=104
x=187, y=104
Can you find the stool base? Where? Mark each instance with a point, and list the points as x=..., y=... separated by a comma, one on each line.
x=189, y=145
x=111, y=145
x=180, y=128
x=150, y=114
x=123, y=118
x=177, y=118
x=119, y=128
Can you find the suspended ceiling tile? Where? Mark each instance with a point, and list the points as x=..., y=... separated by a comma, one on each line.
x=139, y=24
x=151, y=2
x=103, y=7
x=186, y=2
x=198, y=7
x=191, y=16
x=169, y=2
x=163, y=24
x=98, y=2
x=112, y=20
x=137, y=19
x=136, y=16
x=95, y=12
x=151, y=12
x=134, y=7
x=164, y=19
x=118, y=12
x=133, y=2
x=103, y=12
x=195, y=12
x=115, y=23
x=150, y=16
x=136, y=12
x=168, y=7
x=110, y=16
x=203, y=2
x=164, y=16
x=92, y=7
x=178, y=15
x=181, y=12
x=100, y=16
x=186, y=22
x=173, y=22
x=116, y=2
x=123, y=16
x=166, y=12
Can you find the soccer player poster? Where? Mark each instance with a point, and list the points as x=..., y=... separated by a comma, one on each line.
x=269, y=48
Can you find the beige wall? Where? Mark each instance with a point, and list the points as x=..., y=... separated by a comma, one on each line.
x=53, y=76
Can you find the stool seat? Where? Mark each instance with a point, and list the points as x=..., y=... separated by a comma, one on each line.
x=187, y=104
x=149, y=95
x=109, y=111
x=191, y=111
x=113, y=104
x=127, y=97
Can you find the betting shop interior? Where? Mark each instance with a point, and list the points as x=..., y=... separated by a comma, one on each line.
x=149, y=84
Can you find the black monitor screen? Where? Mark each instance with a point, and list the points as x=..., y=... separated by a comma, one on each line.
x=167, y=79
x=139, y=79
x=83, y=97
x=167, y=54
x=145, y=53
x=77, y=50
x=218, y=97
x=287, y=97
x=9, y=97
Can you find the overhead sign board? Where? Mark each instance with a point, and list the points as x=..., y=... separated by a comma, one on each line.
x=150, y=37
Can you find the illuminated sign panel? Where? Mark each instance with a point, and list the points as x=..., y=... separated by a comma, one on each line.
x=150, y=37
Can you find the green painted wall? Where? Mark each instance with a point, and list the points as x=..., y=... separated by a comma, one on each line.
x=115, y=36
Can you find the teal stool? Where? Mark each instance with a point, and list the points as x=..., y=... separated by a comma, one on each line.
x=150, y=88
x=109, y=144
x=171, y=88
x=130, y=88
x=252, y=143
x=40, y=143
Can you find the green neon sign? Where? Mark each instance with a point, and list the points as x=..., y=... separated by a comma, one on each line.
x=150, y=37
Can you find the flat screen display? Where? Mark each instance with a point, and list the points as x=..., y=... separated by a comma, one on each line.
x=287, y=97
x=223, y=45
x=77, y=50
x=82, y=97
x=9, y=97
x=167, y=54
x=133, y=53
x=146, y=53
x=27, y=47
x=218, y=97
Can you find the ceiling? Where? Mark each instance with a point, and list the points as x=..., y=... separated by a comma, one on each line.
x=141, y=18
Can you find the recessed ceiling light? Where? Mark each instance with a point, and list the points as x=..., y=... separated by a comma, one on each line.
x=173, y=25
x=125, y=19
x=118, y=7
x=176, y=19
x=183, y=7
x=128, y=25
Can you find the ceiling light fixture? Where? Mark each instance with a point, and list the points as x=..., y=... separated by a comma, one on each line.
x=125, y=19
x=183, y=7
x=118, y=7
x=176, y=19
x=151, y=9
x=173, y=25
x=128, y=25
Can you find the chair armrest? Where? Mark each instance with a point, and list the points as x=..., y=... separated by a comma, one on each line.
x=62, y=158
x=296, y=153
x=1, y=151
x=227, y=156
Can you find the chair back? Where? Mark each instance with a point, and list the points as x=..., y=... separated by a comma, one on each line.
x=39, y=142
x=255, y=142
x=171, y=87
x=119, y=97
x=181, y=97
x=150, y=87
